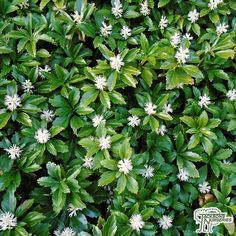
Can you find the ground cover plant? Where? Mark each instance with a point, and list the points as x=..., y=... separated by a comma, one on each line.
x=116, y=117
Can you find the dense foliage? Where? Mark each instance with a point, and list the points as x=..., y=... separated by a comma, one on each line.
x=116, y=117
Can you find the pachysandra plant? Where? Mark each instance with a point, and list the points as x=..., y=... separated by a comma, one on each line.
x=117, y=117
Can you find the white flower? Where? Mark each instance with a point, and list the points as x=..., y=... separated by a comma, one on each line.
x=88, y=162
x=125, y=32
x=117, y=9
x=226, y=162
x=136, y=222
x=116, y=62
x=100, y=82
x=182, y=55
x=97, y=119
x=162, y=130
x=175, y=39
x=213, y=4
x=204, y=187
x=125, y=166
x=105, y=29
x=167, y=108
x=144, y=10
x=27, y=86
x=180, y=85
x=150, y=108
x=105, y=142
x=42, y=135
x=72, y=210
x=24, y=4
x=163, y=22
x=165, y=222
x=204, y=101
x=221, y=28
x=7, y=221
x=65, y=232
x=188, y=36
x=231, y=94
x=193, y=16
x=77, y=18
x=183, y=175
x=45, y=69
x=12, y=102
x=59, y=8
x=148, y=172
x=14, y=152
x=47, y=115
x=133, y=121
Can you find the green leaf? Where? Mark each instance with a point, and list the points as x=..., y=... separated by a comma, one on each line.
x=4, y=117
x=231, y=125
x=129, y=80
x=5, y=50
x=111, y=82
x=194, y=141
x=162, y=3
x=54, y=170
x=110, y=226
x=188, y=120
x=88, y=97
x=106, y=178
x=164, y=116
x=33, y=218
x=109, y=164
x=179, y=140
x=58, y=201
x=147, y=76
x=196, y=29
x=203, y=119
x=121, y=184
x=154, y=123
x=81, y=110
x=229, y=53
x=105, y=51
x=192, y=156
x=47, y=182
x=51, y=148
x=223, y=154
x=129, y=14
x=87, y=29
x=25, y=206
x=214, y=17
x=192, y=170
x=24, y=119
x=43, y=3
x=96, y=231
x=116, y=98
x=147, y=213
x=213, y=123
x=132, y=184
x=193, y=71
x=207, y=145
x=144, y=43
x=43, y=53
x=8, y=203
x=76, y=123
x=64, y=187
x=105, y=99
x=177, y=77
x=20, y=231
